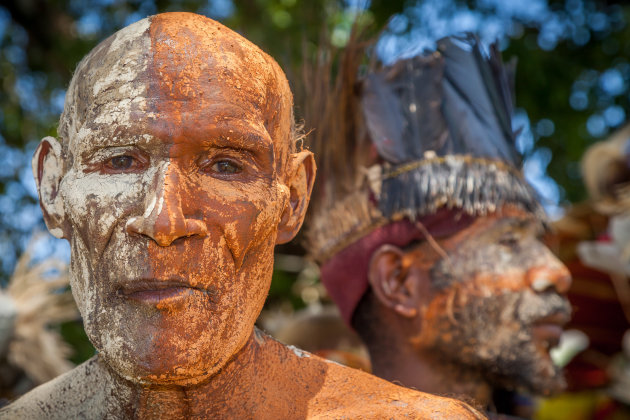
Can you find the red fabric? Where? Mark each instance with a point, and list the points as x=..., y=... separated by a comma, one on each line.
x=345, y=275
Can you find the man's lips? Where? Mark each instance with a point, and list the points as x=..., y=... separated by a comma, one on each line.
x=156, y=291
x=547, y=330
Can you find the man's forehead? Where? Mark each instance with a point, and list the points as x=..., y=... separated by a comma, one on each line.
x=518, y=222
x=177, y=54
x=190, y=50
x=170, y=58
x=510, y=220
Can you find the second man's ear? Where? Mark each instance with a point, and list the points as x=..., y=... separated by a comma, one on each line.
x=391, y=283
x=48, y=170
x=300, y=179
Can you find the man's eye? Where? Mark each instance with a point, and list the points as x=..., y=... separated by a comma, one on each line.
x=226, y=167
x=509, y=241
x=120, y=163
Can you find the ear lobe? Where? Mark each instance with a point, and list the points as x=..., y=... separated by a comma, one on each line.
x=300, y=179
x=391, y=283
x=48, y=170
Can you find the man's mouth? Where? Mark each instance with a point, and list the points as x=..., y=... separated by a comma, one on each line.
x=548, y=329
x=156, y=291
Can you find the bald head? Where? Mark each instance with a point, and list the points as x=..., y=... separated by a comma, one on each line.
x=145, y=70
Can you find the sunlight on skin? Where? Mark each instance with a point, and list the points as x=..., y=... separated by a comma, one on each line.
x=174, y=177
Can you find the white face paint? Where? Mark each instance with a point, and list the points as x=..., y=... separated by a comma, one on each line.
x=101, y=248
x=95, y=202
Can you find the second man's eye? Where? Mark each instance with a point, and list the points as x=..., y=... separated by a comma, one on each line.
x=226, y=167
x=510, y=241
x=120, y=163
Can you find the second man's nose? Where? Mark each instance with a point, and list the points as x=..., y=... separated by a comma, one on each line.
x=554, y=275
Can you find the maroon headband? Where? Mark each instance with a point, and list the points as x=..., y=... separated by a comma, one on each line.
x=345, y=275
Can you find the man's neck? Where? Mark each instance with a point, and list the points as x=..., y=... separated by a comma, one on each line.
x=222, y=395
x=430, y=373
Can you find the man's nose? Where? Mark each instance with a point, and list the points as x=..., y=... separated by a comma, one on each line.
x=164, y=219
x=552, y=274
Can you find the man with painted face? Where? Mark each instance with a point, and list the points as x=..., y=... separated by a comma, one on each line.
x=428, y=235
x=174, y=175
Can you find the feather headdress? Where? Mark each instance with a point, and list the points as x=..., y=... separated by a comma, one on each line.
x=402, y=142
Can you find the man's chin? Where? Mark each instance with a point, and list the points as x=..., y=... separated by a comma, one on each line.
x=539, y=377
x=545, y=378
x=153, y=354
x=156, y=371
x=547, y=383
x=165, y=355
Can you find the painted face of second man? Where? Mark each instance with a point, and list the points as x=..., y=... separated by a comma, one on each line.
x=174, y=194
x=496, y=302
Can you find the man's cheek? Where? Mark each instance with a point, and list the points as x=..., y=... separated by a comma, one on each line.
x=246, y=222
x=96, y=203
x=247, y=231
x=79, y=274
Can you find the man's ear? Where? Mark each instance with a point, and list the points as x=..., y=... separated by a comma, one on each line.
x=393, y=284
x=300, y=179
x=48, y=171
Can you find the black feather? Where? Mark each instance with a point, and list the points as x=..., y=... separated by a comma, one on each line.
x=454, y=101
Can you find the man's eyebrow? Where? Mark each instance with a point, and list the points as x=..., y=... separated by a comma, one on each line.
x=91, y=149
x=238, y=138
x=526, y=224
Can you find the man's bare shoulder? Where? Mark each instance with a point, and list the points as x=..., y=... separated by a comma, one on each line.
x=349, y=393
x=362, y=388
x=352, y=393
x=71, y=394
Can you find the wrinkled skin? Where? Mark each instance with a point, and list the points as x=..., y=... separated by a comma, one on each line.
x=472, y=311
x=173, y=179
